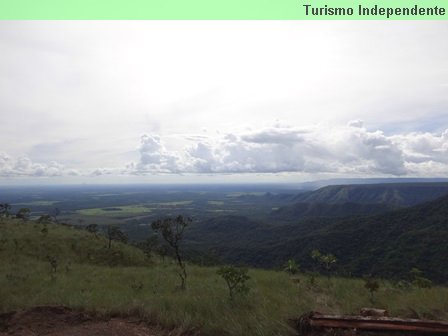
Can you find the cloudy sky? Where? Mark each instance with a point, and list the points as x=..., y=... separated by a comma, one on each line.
x=216, y=101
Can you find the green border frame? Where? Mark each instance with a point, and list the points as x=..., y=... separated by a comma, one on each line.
x=199, y=9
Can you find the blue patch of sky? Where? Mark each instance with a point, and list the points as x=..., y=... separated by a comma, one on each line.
x=435, y=124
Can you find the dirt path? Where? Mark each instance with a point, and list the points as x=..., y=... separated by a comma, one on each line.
x=62, y=321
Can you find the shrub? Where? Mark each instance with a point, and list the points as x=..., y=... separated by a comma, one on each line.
x=5, y=210
x=235, y=278
x=418, y=280
x=24, y=214
x=44, y=219
x=92, y=228
x=325, y=261
x=291, y=267
x=372, y=286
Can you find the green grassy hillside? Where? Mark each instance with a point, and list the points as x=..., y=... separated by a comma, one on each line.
x=58, y=265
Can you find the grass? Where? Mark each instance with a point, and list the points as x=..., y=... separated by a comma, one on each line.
x=88, y=278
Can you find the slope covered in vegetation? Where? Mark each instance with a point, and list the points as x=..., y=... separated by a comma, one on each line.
x=49, y=264
x=387, y=245
x=391, y=194
x=312, y=210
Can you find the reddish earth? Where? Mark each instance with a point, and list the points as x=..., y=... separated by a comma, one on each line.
x=63, y=321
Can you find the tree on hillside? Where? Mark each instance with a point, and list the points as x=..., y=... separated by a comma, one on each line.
x=235, y=278
x=418, y=280
x=372, y=286
x=149, y=245
x=291, y=267
x=23, y=214
x=114, y=233
x=5, y=210
x=325, y=261
x=54, y=214
x=92, y=228
x=44, y=219
x=172, y=231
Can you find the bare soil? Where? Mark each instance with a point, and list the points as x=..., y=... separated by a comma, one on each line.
x=63, y=321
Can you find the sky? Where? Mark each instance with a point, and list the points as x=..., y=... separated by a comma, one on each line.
x=220, y=101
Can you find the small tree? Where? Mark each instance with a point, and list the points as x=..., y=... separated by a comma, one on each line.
x=5, y=210
x=326, y=261
x=149, y=245
x=23, y=214
x=418, y=280
x=172, y=231
x=114, y=233
x=372, y=286
x=291, y=267
x=92, y=228
x=44, y=219
x=54, y=214
x=235, y=279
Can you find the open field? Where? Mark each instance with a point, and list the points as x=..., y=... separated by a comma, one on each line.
x=132, y=207
x=175, y=203
x=116, y=210
x=37, y=203
x=218, y=203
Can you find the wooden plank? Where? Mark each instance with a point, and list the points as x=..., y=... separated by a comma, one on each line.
x=379, y=324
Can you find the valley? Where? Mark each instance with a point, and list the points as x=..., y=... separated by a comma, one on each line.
x=383, y=229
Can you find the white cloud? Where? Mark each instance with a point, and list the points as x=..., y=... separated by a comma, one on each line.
x=276, y=135
x=73, y=172
x=342, y=150
x=24, y=167
x=154, y=158
x=347, y=150
x=425, y=153
x=355, y=123
x=102, y=171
